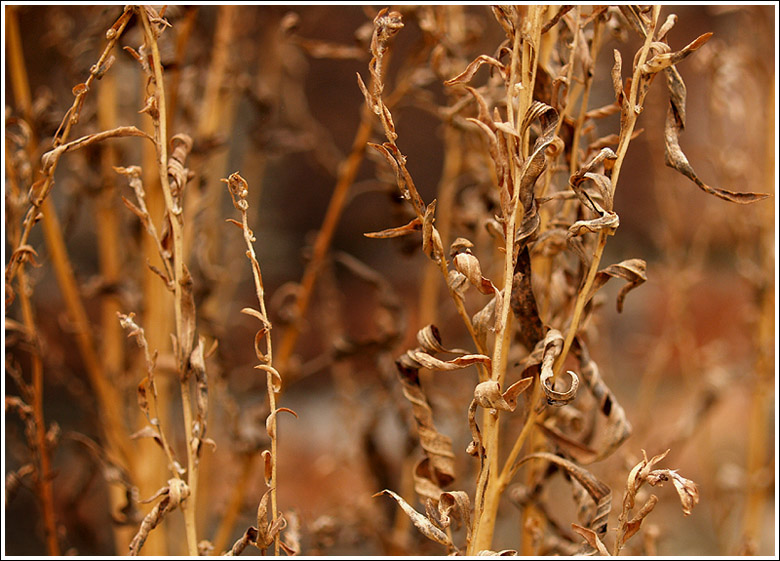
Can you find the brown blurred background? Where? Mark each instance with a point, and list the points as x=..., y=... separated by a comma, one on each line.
x=691, y=358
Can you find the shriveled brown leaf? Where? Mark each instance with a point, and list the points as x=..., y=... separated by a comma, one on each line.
x=522, y=302
x=421, y=522
x=673, y=154
x=188, y=319
x=472, y=68
x=553, y=344
x=599, y=492
x=664, y=60
x=415, y=225
x=591, y=538
x=172, y=496
x=437, y=446
x=633, y=271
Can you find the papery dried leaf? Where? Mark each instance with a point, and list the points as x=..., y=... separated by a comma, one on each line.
x=617, y=85
x=173, y=494
x=598, y=491
x=536, y=162
x=631, y=270
x=425, y=360
x=276, y=378
x=188, y=316
x=618, y=428
x=49, y=158
x=414, y=226
x=665, y=60
x=425, y=484
x=466, y=263
x=673, y=154
x=147, y=432
x=485, y=320
x=267, y=466
x=502, y=553
x=591, y=538
x=553, y=344
x=431, y=240
x=425, y=526
x=437, y=447
x=181, y=144
x=488, y=394
x=633, y=525
x=522, y=302
x=249, y=537
x=687, y=490
x=472, y=68
x=455, y=506
x=608, y=223
x=198, y=368
x=270, y=422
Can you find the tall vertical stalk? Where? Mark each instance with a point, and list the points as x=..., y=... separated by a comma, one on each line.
x=175, y=221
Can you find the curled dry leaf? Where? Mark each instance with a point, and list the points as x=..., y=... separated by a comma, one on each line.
x=430, y=343
x=591, y=538
x=467, y=264
x=673, y=154
x=188, y=319
x=414, y=226
x=197, y=364
x=644, y=472
x=553, y=344
x=488, y=395
x=522, y=302
x=472, y=68
x=172, y=496
x=631, y=270
x=270, y=422
x=421, y=522
x=276, y=378
x=437, y=447
x=599, y=492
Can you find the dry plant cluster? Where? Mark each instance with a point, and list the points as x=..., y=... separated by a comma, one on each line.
x=480, y=371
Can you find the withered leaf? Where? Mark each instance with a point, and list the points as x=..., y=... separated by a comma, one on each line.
x=188, y=315
x=472, y=68
x=633, y=525
x=631, y=270
x=414, y=226
x=598, y=491
x=421, y=522
x=437, y=446
x=553, y=345
x=591, y=538
x=665, y=60
x=673, y=154
x=270, y=421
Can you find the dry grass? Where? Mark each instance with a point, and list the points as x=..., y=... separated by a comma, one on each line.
x=480, y=292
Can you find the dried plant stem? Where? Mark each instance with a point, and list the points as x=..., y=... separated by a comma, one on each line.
x=43, y=186
x=161, y=133
x=44, y=475
x=239, y=191
x=758, y=457
x=626, y=131
x=489, y=486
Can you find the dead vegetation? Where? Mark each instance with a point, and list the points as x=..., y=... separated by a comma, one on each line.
x=475, y=360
